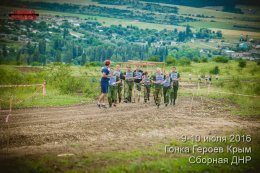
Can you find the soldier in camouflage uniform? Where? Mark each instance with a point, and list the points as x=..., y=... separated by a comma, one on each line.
x=138, y=78
x=158, y=80
x=129, y=84
x=175, y=76
x=147, y=86
x=112, y=88
x=167, y=89
x=119, y=74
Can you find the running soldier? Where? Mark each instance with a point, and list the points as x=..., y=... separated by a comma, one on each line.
x=216, y=76
x=104, y=85
x=175, y=76
x=206, y=78
x=158, y=79
x=138, y=78
x=119, y=74
x=147, y=86
x=190, y=77
x=167, y=89
x=112, y=88
x=210, y=78
x=129, y=84
x=199, y=78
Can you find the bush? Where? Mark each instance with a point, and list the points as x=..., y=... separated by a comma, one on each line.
x=94, y=64
x=155, y=58
x=71, y=85
x=204, y=59
x=215, y=70
x=242, y=63
x=196, y=59
x=62, y=79
x=184, y=61
x=36, y=63
x=170, y=60
x=221, y=59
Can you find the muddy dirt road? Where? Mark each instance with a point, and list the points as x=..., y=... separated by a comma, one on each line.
x=128, y=126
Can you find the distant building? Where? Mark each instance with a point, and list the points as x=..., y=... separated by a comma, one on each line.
x=229, y=53
x=244, y=55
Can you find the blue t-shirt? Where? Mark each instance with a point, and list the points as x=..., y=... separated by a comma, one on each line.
x=167, y=82
x=112, y=81
x=147, y=80
x=106, y=71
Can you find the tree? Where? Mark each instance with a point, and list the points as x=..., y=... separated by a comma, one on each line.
x=219, y=34
x=181, y=36
x=65, y=32
x=42, y=47
x=58, y=57
x=83, y=59
x=188, y=32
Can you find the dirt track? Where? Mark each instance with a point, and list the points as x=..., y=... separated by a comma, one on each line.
x=128, y=126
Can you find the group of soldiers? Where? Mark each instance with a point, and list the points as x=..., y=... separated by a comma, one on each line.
x=132, y=82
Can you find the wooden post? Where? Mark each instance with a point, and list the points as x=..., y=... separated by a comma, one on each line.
x=7, y=121
x=44, y=88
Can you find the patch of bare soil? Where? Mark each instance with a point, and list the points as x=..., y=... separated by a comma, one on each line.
x=28, y=69
x=85, y=128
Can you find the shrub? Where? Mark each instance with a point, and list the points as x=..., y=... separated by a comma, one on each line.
x=221, y=59
x=242, y=63
x=170, y=60
x=215, y=70
x=94, y=64
x=184, y=61
x=71, y=85
x=196, y=59
x=204, y=59
x=155, y=58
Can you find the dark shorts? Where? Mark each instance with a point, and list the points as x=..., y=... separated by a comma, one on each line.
x=104, y=87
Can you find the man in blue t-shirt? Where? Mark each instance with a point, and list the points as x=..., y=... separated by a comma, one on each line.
x=104, y=84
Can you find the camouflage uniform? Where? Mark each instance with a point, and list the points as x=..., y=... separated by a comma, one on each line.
x=175, y=87
x=147, y=88
x=112, y=90
x=167, y=90
x=158, y=88
x=119, y=86
x=137, y=83
x=129, y=84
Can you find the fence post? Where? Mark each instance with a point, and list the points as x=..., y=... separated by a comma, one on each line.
x=44, y=88
x=7, y=121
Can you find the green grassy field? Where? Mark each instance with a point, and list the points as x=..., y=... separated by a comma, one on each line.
x=231, y=79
